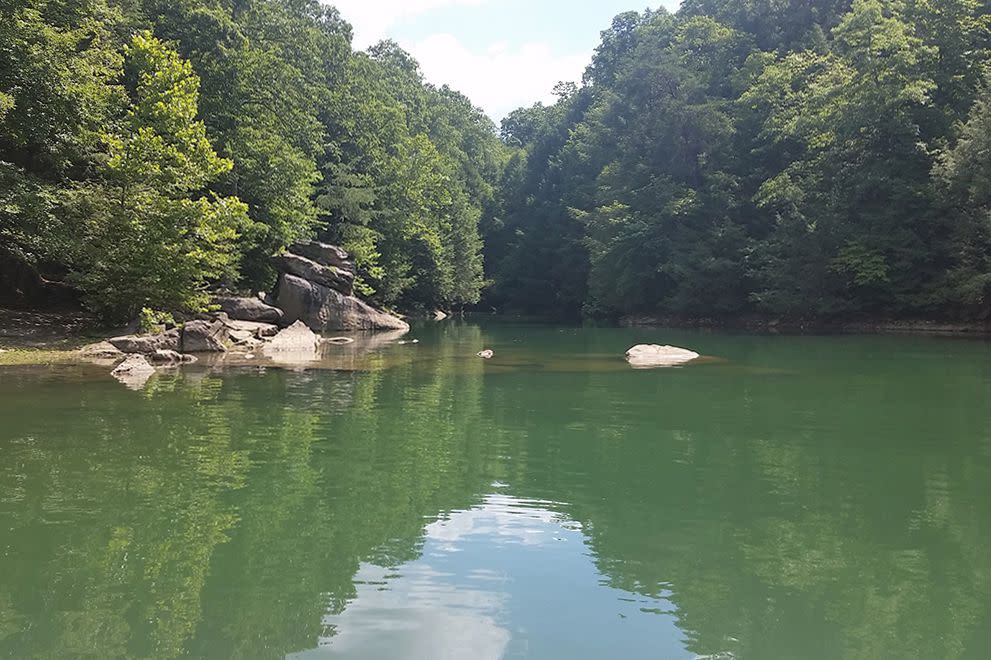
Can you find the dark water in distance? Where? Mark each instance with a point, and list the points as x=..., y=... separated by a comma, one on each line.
x=803, y=497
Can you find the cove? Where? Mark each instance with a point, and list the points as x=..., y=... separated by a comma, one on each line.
x=787, y=497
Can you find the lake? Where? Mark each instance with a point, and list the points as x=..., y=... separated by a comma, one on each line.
x=791, y=497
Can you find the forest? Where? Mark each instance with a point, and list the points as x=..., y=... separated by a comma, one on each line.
x=785, y=159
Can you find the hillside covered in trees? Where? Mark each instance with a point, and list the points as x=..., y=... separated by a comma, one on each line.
x=793, y=159
x=150, y=149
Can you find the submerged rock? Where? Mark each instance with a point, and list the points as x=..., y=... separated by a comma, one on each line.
x=145, y=344
x=651, y=355
x=324, y=309
x=204, y=337
x=171, y=358
x=248, y=309
x=134, y=372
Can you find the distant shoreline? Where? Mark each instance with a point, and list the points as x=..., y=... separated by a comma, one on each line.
x=766, y=325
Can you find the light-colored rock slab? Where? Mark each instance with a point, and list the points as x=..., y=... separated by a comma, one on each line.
x=134, y=372
x=647, y=356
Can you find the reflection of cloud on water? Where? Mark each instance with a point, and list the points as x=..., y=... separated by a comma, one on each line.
x=508, y=519
x=508, y=578
x=419, y=615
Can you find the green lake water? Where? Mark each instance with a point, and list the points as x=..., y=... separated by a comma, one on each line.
x=793, y=497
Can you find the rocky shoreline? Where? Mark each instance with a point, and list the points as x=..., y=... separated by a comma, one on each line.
x=315, y=296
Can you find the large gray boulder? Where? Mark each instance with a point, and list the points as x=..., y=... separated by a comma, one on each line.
x=204, y=337
x=324, y=309
x=324, y=254
x=646, y=356
x=146, y=344
x=248, y=309
x=329, y=276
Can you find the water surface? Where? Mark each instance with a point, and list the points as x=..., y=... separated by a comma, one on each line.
x=798, y=497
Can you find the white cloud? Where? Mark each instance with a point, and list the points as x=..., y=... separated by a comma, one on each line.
x=500, y=78
x=496, y=77
x=373, y=18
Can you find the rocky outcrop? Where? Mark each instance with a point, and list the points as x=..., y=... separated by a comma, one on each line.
x=325, y=309
x=646, y=356
x=323, y=254
x=332, y=277
x=204, y=337
x=248, y=309
x=145, y=344
x=316, y=286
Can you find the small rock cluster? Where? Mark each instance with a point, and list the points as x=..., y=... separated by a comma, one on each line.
x=136, y=356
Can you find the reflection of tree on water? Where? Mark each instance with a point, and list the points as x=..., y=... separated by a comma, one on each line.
x=226, y=517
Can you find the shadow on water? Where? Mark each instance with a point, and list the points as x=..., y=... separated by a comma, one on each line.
x=801, y=497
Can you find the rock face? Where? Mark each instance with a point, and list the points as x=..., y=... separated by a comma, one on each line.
x=323, y=254
x=325, y=309
x=646, y=356
x=329, y=276
x=248, y=309
x=204, y=337
x=145, y=344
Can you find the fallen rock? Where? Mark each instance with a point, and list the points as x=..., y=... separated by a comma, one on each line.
x=324, y=254
x=297, y=338
x=248, y=309
x=134, y=372
x=323, y=309
x=170, y=358
x=439, y=315
x=329, y=276
x=144, y=344
x=652, y=355
x=204, y=337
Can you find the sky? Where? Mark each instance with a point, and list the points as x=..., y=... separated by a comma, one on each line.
x=502, y=54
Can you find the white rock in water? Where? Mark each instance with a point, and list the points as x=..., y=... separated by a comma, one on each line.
x=652, y=355
x=134, y=371
x=487, y=354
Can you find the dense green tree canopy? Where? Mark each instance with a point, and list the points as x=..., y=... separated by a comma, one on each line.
x=809, y=160
x=232, y=130
x=793, y=159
